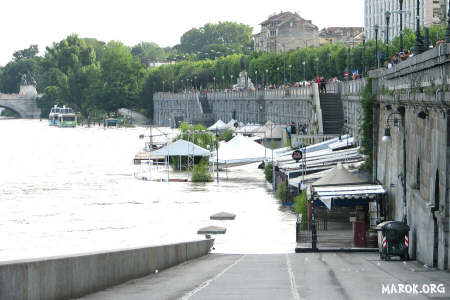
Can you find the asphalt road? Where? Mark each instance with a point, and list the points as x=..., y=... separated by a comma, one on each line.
x=286, y=276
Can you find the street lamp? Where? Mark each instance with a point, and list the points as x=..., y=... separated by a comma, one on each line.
x=278, y=75
x=392, y=118
x=214, y=78
x=388, y=16
x=376, y=45
x=317, y=66
x=419, y=47
x=256, y=75
x=363, y=54
x=304, y=70
x=267, y=78
x=290, y=73
x=163, y=86
x=401, y=25
x=447, y=32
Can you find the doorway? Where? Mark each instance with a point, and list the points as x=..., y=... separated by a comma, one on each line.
x=436, y=226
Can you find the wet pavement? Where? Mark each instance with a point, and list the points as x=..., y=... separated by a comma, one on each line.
x=287, y=276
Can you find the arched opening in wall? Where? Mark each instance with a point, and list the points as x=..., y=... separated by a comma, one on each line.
x=436, y=226
x=7, y=113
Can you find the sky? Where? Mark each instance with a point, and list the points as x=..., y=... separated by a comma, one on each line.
x=42, y=22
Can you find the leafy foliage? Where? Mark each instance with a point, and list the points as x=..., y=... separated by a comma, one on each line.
x=268, y=172
x=215, y=40
x=367, y=125
x=283, y=192
x=201, y=172
x=301, y=207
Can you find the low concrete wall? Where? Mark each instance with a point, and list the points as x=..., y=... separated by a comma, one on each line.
x=73, y=276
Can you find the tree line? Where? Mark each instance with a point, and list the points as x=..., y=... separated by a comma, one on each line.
x=95, y=77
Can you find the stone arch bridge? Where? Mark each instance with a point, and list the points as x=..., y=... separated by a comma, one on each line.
x=24, y=103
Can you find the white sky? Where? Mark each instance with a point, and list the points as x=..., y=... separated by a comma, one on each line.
x=42, y=22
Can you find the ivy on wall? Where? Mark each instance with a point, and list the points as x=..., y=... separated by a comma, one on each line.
x=367, y=125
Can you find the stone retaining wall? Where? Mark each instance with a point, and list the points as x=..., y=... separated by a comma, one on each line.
x=73, y=276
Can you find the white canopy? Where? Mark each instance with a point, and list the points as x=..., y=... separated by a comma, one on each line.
x=219, y=125
x=230, y=125
x=272, y=131
x=241, y=150
x=250, y=128
x=181, y=148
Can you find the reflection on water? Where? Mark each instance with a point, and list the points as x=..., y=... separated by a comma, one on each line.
x=72, y=190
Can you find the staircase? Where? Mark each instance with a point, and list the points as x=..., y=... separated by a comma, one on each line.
x=207, y=117
x=206, y=109
x=332, y=113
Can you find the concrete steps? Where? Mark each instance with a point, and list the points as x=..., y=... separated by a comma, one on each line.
x=332, y=113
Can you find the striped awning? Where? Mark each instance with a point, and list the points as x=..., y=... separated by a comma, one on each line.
x=327, y=193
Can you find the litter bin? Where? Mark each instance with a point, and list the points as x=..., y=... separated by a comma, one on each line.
x=393, y=240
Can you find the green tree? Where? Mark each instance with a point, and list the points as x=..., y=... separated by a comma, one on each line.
x=148, y=52
x=215, y=40
x=30, y=52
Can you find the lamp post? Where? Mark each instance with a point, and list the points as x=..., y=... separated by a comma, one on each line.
x=163, y=86
x=317, y=65
x=223, y=81
x=278, y=75
x=387, y=138
x=419, y=47
x=447, y=31
x=401, y=25
x=363, y=55
x=304, y=70
x=214, y=87
x=376, y=45
x=267, y=78
x=290, y=73
x=329, y=65
x=388, y=16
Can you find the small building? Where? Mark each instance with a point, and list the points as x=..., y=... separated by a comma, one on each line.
x=346, y=35
x=285, y=32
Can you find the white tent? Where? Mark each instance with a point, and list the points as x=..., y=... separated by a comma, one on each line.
x=272, y=131
x=219, y=125
x=240, y=150
x=181, y=148
x=250, y=128
x=230, y=125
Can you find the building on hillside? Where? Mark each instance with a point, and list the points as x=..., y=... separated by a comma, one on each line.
x=432, y=12
x=346, y=35
x=286, y=31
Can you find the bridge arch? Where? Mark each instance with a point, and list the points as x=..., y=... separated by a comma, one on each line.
x=16, y=112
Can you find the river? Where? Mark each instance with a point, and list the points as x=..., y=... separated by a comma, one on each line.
x=72, y=190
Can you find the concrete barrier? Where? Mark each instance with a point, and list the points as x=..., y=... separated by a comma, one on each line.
x=73, y=276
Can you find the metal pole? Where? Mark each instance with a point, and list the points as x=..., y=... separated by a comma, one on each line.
x=447, y=31
x=401, y=25
x=217, y=155
x=388, y=15
x=419, y=47
x=376, y=46
x=405, y=210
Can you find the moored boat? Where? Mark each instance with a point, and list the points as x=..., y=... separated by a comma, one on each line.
x=62, y=117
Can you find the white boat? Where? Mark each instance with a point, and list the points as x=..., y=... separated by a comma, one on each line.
x=62, y=117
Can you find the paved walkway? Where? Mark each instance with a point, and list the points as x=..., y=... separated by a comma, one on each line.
x=278, y=277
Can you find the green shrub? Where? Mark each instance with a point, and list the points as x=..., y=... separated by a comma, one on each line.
x=268, y=172
x=201, y=172
x=226, y=135
x=282, y=192
x=301, y=207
